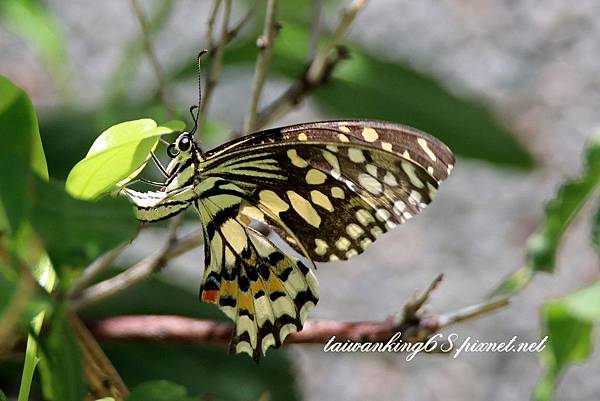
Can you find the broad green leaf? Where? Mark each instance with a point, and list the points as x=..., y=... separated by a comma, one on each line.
x=20, y=151
x=117, y=153
x=3, y=396
x=61, y=366
x=198, y=368
x=76, y=231
x=159, y=390
x=568, y=323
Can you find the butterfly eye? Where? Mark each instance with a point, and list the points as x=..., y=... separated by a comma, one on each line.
x=172, y=151
x=184, y=144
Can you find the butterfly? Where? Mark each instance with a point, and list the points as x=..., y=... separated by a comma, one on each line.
x=328, y=189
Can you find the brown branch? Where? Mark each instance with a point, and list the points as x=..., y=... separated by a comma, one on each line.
x=412, y=326
x=265, y=46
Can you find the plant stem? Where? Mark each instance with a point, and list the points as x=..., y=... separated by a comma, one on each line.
x=265, y=45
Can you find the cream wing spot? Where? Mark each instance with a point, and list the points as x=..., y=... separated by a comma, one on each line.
x=321, y=199
x=356, y=155
x=302, y=137
x=332, y=148
x=295, y=159
x=372, y=169
x=337, y=192
x=370, y=183
x=343, y=138
x=344, y=129
x=315, y=177
x=342, y=244
x=354, y=230
x=370, y=134
x=364, y=217
x=333, y=258
x=409, y=169
x=320, y=246
x=425, y=146
x=235, y=234
x=382, y=215
x=304, y=209
x=390, y=179
x=386, y=146
x=376, y=232
x=252, y=212
x=273, y=202
x=333, y=162
x=365, y=242
x=351, y=252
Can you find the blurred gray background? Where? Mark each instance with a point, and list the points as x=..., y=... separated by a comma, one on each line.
x=535, y=64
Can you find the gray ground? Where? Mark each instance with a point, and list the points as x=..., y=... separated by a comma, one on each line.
x=535, y=63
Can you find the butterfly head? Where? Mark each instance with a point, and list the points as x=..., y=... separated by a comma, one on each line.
x=181, y=150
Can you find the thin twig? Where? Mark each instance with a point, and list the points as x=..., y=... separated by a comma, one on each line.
x=212, y=17
x=317, y=67
x=137, y=9
x=140, y=271
x=265, y=45
x=95, y=268
x=315, y=28
x=216, y=63
x=318, y=71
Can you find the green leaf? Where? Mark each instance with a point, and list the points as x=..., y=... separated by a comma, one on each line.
x=3, y=396
x=61, y=366
x=562, y=209
x=558, y=215
x=568, y=323
x=596, y=231
x=117, y=153
x=76, y=231
x=159, y=390
x=20, y=151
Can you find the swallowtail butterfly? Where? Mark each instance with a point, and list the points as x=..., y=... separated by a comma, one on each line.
x=329, y=189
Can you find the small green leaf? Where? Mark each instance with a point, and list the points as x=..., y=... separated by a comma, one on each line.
x=61, y=366
x=568, y=323
x=20, y=151
x=561, y=210
x=117, y=153
x=76, y=231
x=159, y=390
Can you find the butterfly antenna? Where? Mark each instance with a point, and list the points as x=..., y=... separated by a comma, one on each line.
x=196, y=108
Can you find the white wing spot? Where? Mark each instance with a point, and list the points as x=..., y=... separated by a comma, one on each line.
x=365, y=242
x=304, y=209
x=350, y=253
x=302, y=136
x=382, y=215
x=344, y=129
x=372, y=169
x=386, y=146
x=376, y=232
x=370, y=183
x=370, y=135
x=333, y=258
x=356, y=155
x=390, y=179
x=425, y=146
x=409, y=169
